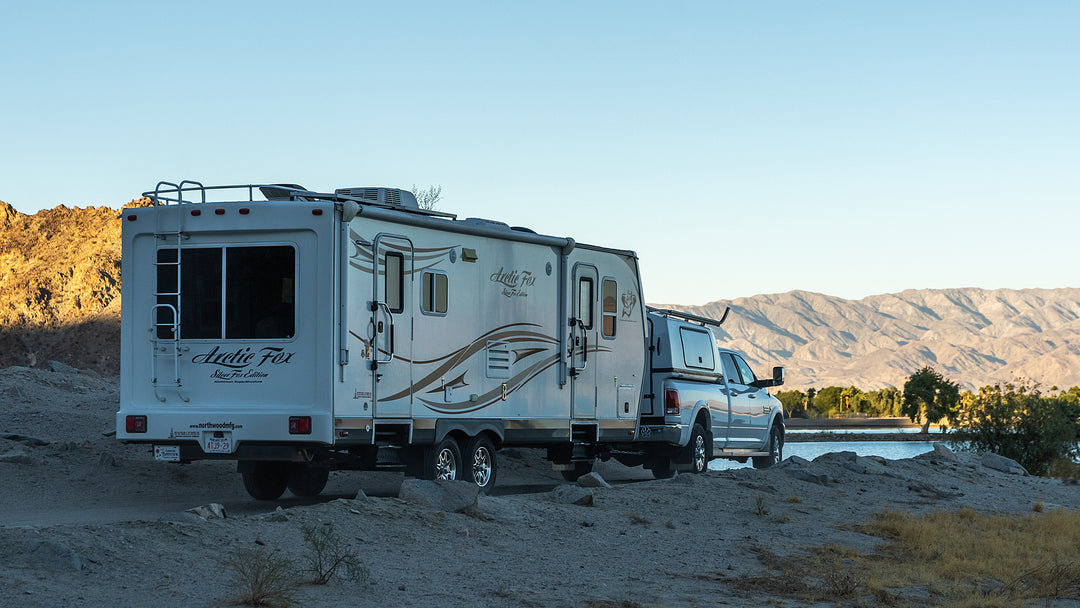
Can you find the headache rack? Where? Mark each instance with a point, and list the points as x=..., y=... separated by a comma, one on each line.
x=190, y=192
x=685, y=316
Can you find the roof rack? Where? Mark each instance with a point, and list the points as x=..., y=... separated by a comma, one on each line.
x=166, y=193
x=685, y=316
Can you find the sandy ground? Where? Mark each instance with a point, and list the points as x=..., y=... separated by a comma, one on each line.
x=87, y=521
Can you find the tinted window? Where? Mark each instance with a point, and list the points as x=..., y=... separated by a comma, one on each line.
x=394, y=287
x=609, y=306
x=585, y=302
x=433, y=296
x=697, y=348
x=744, y=370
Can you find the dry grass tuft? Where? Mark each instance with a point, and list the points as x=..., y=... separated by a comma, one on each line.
x=261, y=578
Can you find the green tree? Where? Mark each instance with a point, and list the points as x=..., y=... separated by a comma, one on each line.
x=427, y=198
x=827, y=400
x=793, y=401
x=1019, y=423
x=931, y=396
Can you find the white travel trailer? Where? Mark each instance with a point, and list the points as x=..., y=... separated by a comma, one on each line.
x=352, y=330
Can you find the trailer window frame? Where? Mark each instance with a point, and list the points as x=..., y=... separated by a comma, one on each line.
x=434, y=293
x=396, y=305
x=586, y=298
x=609, y=318
x=249, y=302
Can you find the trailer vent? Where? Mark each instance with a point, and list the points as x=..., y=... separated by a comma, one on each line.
x=498, y=359
x=385, y=196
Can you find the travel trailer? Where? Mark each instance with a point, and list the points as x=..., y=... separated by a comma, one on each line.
x=298, y=332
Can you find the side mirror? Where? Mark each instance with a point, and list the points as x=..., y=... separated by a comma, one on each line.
x=778, y=375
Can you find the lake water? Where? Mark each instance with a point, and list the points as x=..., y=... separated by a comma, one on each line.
x=893, y=450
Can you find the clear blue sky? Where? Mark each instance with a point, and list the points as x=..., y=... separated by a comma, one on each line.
x=848, y=148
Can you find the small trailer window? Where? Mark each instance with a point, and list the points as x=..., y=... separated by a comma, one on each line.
x=237, y=293
x=585, y=302
x=433, y=296
x=609, y=305
x=394, y=272
x=697, y=348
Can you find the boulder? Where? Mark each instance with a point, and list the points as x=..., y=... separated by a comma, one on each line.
x=940, y=453
x=17, y=457
x=60, y=368
x=592, y=480
x=26, y=548
x=1003, y=464
x=801, y=468
x=441, y=494
x=209, y=511
x=572, y=495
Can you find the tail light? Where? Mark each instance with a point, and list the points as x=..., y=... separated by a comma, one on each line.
x=135, y=424
x=671, y=402
x=299, y=425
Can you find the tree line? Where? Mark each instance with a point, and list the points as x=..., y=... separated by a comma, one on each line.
x=1017, y=420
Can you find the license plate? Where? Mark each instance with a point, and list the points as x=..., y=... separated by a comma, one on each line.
x=168, y=453
x=218, y=445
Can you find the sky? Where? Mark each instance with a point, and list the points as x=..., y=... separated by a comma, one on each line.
x=740, y=148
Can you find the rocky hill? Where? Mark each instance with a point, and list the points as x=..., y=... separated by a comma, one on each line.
x=973, y=336
x=60, y=299
x=60, y=287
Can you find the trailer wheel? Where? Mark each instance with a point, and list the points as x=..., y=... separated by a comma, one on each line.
x=776, y=451
x=307, y=480
x=580, y=469
x=480, y=462
x=266, y=480
x=444, y=461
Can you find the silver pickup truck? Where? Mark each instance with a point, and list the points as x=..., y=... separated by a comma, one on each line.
x=704, y=402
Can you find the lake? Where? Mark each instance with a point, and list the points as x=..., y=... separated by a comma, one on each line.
x=893, y=450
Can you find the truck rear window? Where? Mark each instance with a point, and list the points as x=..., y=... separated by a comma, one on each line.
x=234, y=293
x=697, y=348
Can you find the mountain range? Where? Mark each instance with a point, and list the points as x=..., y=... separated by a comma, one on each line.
x=973, y=336
x=60, y=299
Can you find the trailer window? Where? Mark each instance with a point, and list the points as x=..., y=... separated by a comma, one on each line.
x=609, y=306
x=227, y=292
x=433, y=296
x=394, y=274
x=585, y=302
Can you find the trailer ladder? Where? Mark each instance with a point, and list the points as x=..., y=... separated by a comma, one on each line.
x=165, y=316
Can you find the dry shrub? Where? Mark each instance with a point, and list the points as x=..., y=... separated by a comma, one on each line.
x=260, y=578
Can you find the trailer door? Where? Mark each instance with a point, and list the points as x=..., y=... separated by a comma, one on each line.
x=583, y=344
x=390, y=358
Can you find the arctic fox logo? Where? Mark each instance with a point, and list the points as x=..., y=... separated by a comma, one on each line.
x=629, y=300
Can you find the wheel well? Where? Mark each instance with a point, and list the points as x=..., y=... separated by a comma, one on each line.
x=703, y=420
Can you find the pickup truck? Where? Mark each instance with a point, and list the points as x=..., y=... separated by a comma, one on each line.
x=702, y=402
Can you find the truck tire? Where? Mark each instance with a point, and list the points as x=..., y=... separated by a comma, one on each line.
x=663, y=469
x=580, y=468
x=480, y=463
x=307, y=480
x=266, y=480
x=776, y=451
x=698, y=450
x=443, y=461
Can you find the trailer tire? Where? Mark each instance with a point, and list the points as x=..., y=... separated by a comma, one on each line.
x=580, y=469
x=265, y=479
x=480, y=463
x=444, y=461
x=776, y=451
x=307, y=480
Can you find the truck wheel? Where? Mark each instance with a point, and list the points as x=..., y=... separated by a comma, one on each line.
x=444, y=461
x=698, y=448
x=307, y=480
x=776, y=451
x=664, y=469
x=480, y=462
x=580, y=469
x=266, y=480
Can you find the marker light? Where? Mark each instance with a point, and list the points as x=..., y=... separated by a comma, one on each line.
x=299, y=425
x=136, y=424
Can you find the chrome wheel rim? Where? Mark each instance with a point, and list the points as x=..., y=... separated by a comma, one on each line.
x=445, y=467
x=481, y=467
x=699, y=453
